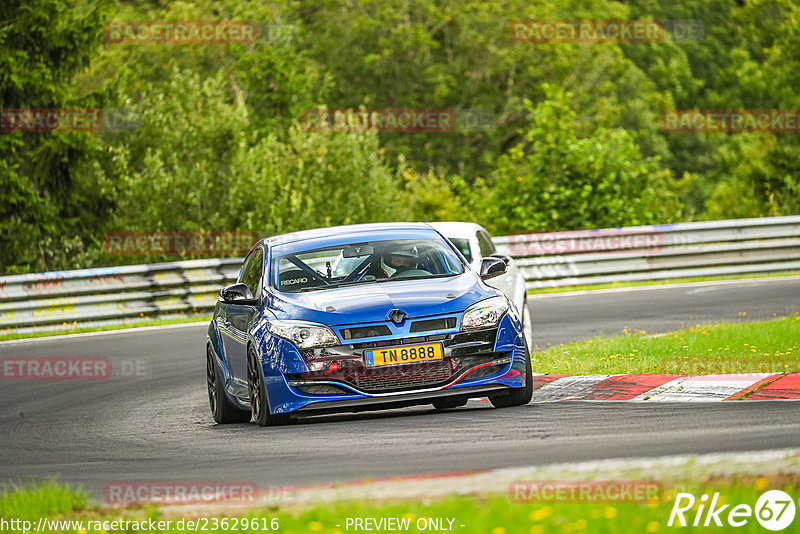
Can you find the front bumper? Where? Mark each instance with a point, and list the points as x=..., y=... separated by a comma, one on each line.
x=411, y=398
x=475, y=364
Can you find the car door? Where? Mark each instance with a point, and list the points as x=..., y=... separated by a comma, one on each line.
x=236, y=318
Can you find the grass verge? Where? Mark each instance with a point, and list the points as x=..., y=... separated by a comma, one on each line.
x=489, y=514
x=615, y=285
x=722, y=348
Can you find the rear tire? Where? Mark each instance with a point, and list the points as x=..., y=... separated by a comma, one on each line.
x=222, y=409
x=259, y=405
x=517, y=396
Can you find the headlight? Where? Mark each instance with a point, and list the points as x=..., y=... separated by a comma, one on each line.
x=304, y=334
x=484, y=314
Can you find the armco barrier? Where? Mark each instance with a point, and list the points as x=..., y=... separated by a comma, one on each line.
x=732, y=247
x=88, y=297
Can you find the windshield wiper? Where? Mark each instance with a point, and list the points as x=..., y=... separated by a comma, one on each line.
x=341, y=284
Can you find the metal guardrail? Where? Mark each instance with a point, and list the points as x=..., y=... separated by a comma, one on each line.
x=731, y=247
x=112, y=295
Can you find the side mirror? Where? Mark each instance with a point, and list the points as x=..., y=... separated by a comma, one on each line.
x=506, y=259
x=491, y=267
x=237, y=294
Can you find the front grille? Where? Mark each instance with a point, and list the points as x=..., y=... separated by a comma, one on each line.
x=399, y=377
x=433, y=324
x=365, y=331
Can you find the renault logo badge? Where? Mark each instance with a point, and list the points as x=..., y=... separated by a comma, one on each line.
x=397, y=316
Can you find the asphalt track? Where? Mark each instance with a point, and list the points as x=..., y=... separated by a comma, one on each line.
x=157, y=427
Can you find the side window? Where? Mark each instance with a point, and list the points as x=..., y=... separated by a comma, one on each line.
x=463, y=246
x=251, y=272
x=485, y=244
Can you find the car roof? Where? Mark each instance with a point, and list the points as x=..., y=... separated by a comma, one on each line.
x=331, y=236
x=457, y=228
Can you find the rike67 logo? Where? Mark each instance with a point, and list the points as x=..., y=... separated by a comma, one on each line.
x=774, y=510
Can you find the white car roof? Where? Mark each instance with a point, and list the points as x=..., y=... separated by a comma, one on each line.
x=457, y=229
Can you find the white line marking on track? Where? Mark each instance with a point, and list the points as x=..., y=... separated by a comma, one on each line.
x=738, y=281
x=707, y=388
x=65, y=337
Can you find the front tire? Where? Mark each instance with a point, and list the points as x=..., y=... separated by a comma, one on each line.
x=259, y=405
x=221, y=408
x=527, y=323
x=518, y=396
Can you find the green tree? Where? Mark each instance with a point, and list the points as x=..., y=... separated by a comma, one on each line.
x=196, y=163
x=53, y=195
x=554, y=180
x=459, y=55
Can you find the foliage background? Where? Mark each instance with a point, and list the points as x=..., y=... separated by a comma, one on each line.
x=211, y=138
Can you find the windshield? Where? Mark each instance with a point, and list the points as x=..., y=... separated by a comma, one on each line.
x=363, y=263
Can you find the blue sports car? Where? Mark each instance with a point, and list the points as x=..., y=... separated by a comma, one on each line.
x=362, y=317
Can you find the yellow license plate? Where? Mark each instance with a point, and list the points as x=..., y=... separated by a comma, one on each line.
x=396, y=355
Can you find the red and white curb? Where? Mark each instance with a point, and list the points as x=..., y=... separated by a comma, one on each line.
x=663, y=388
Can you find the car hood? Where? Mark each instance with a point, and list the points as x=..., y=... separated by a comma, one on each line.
x=373, y=302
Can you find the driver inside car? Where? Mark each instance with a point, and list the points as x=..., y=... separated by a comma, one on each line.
x=402, y=260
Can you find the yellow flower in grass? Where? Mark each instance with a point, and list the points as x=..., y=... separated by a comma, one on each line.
x=761, y=484
x=652, y=526
x=652, y=502
x=498, y=530
x=541, y=513
x=315, y=526
x=610, y=512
